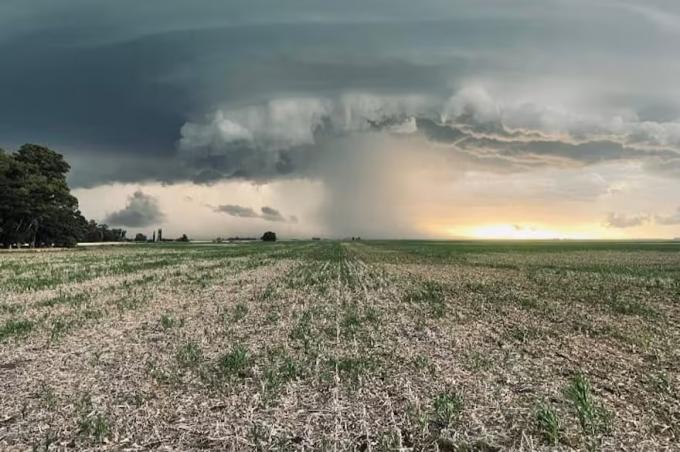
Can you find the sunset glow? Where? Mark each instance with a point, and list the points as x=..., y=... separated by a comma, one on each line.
x=526, y=232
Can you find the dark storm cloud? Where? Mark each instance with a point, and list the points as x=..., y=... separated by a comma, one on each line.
x=114, y=84
x=95, y=89
x=503, y=145
x=234, y=145
x=141, y=211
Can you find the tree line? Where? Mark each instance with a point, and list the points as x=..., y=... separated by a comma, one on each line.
x=37, y=208
x=36, y=204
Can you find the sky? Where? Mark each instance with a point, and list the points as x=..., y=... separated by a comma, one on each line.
x=381, y=119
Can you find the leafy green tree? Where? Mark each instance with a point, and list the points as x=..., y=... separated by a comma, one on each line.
x=140, y=237
x=101, y=233
x=36, y=205
x=269, y=236
x=115, y=235
x=94, y=232
x=12, y=199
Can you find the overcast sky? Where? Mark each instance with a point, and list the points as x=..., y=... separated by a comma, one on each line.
x=527, y=118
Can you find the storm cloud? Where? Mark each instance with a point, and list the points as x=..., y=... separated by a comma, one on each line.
x=171, y=65
x=141, y=211
x=173, y=92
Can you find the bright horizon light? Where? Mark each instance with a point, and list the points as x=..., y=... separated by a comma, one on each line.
x=524, y=232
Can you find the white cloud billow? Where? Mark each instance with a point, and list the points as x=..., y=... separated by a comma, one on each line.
x=473, y=101
x=558, y=122
x=276, y=125
x=291, y=122
x=286, y=123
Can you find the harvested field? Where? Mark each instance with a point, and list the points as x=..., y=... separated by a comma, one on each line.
x=451, y=346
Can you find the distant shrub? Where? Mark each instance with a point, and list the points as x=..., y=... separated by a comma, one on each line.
x=269, y=236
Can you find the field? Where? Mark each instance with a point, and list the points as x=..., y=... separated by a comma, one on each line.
x=395, y=345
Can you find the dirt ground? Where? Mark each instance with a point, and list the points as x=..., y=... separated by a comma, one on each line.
x=341, y=346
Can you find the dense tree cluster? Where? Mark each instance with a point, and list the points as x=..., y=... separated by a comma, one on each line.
x=101, y=233
x=36, y=205
x=269, y=236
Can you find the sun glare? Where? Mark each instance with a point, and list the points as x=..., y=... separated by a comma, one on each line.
x=522, y=232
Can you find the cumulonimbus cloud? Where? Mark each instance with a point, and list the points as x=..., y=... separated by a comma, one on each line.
x=294, y=122
x=142, y=210
x=287, y=137
x=233, y=92
x=291, y=88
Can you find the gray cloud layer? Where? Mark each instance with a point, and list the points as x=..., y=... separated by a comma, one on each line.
x=266, y=213
x=141, y=211
x=270, y=214
x=617, y=220
x=291, y=136
x=237, y=211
